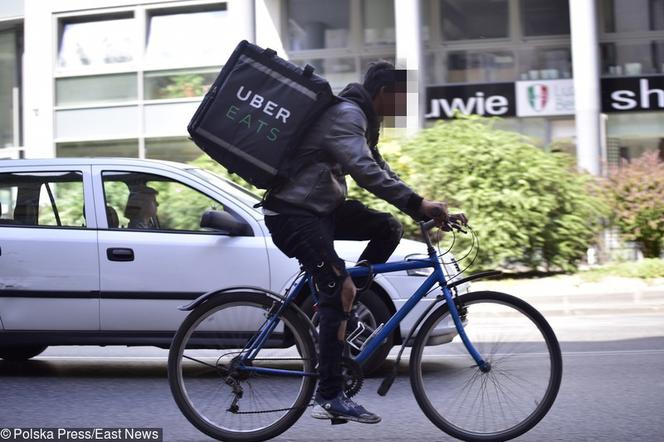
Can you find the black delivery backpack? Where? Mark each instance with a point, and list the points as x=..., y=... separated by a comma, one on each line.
x=256, y=112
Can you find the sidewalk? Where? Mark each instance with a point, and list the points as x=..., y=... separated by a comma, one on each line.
x=570, y=295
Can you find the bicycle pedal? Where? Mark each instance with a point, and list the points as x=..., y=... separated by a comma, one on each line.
x=338, y=421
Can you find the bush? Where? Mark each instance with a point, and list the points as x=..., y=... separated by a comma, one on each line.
x=529, y=207
x=636, y=193
x=648, y=268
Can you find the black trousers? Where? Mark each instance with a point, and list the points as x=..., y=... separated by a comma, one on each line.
x=310, y=240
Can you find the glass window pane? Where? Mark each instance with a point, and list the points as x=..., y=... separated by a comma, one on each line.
x=172, y=149
x=97, y=42
x=8, y=81
x=146, y=201
x=480, y=67
x=110, y=148
x=318, y=24
x=378, y=17
x=545, y=63
x=27, y=200
x=474, y=19
x=545, y=17
x=95, y=89
x=178, y=84
x=338, y=71
x=632, y=59
x=633, y=15
x=201, y=37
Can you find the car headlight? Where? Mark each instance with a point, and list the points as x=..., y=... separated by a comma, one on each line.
x=420, y=272
x=426, y=271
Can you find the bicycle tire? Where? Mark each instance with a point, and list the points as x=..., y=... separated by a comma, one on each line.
x=525, y=372
x=204, y=345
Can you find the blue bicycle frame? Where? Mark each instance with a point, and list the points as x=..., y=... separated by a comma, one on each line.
x=437, y=276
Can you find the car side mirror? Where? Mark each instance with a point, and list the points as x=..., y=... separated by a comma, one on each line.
x=225, y=223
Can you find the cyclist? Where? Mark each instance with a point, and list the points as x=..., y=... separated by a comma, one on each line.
x=306, y=214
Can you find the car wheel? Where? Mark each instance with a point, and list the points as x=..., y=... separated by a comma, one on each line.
x=371, y=311
x=21, y=352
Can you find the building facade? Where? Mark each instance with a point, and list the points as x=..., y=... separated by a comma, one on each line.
x=123, y=77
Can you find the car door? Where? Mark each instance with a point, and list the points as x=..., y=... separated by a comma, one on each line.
x=49, y=271
x=153, y=253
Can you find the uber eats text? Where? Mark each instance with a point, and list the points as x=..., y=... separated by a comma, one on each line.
x=278, y=113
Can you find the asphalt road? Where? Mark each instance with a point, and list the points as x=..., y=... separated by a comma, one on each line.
x=611, y=391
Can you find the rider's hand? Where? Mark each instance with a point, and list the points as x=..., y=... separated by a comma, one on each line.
x=458, y=218
x=435, y=210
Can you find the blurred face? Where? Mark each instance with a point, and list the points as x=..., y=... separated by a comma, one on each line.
x=391, y=103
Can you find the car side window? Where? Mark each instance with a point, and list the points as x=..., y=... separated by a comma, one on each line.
x=137, y=200
x=42, y=199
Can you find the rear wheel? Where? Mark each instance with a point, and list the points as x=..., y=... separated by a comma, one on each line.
x=20, y=352
x=508, y=399
x=221, y=396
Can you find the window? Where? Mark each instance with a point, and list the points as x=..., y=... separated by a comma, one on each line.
x=318, y=24
x=98, y=89
x=189, y=36
x=172, y=149
x=545, y=63
x=545, y=17
x=42, y=199
x=632, y=58
x=9, y=80
x=480, y=67
x=633, y=15
x=97, y=41
x=378, y=22
x=474, y=19
x=178, y=84
x=152, y=202
x=338, y=71
x=110, y=148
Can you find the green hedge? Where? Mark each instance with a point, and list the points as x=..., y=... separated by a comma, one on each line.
x=529, y=207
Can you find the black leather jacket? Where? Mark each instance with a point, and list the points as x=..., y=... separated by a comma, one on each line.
x=336, y=146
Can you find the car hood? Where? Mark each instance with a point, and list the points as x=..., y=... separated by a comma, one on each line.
x=350, y=250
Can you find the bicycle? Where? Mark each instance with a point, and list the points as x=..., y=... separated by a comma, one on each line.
x=242, y=366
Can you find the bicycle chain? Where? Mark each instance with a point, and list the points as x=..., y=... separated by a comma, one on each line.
x=353, y=381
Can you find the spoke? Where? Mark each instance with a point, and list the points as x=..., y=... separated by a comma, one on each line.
x=200, y=362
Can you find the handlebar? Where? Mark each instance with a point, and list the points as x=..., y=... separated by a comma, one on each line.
x=449, y=225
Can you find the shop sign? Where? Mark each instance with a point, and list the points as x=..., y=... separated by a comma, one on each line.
x=544, y=98
x=633, y=94
x=493, y=99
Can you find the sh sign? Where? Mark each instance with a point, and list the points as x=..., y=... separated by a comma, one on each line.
x=633, y=94
x=543, y=98
x=490, y=100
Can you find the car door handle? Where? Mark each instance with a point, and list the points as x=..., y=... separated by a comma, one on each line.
x=120, y=254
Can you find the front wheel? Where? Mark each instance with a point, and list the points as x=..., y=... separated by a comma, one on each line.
x=227, y=397
x=507, y=400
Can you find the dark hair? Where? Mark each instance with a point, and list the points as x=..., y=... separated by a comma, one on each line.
x=380, y=74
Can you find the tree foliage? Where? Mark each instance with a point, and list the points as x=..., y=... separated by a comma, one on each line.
x=637, y=200
x=529, y=207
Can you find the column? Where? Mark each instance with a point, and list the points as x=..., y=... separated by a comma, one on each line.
x=585, y=59
x=408, y=21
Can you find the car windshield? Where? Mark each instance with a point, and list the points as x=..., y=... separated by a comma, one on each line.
x=234, y=189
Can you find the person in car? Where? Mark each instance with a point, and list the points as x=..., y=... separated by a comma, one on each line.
x=141, y=209
x=307, y=213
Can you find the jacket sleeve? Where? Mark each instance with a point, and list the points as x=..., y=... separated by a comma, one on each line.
x=383, y=164
x=345, y=142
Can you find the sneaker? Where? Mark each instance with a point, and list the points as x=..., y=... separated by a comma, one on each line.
x=342, y=407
